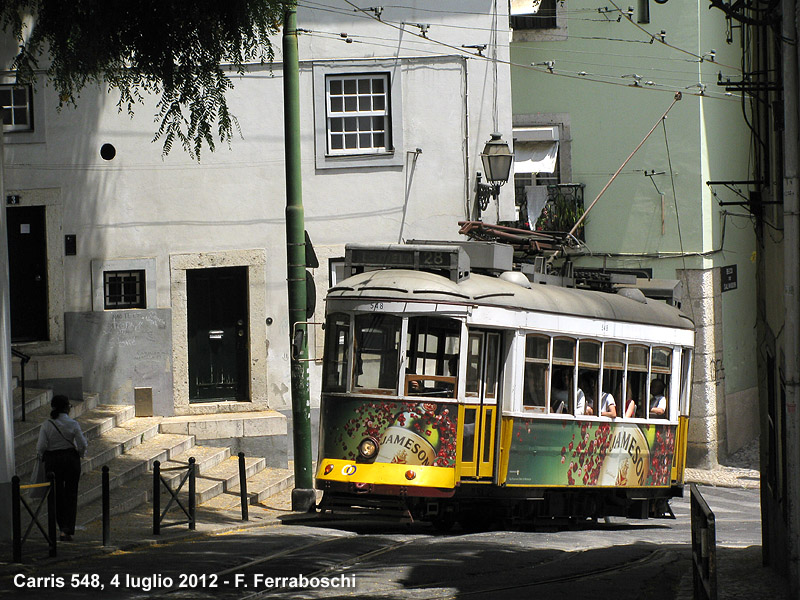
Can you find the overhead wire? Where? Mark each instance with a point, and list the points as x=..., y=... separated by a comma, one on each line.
x=655, y=37
x=465, y=52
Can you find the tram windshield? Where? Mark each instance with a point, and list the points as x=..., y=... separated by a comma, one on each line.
x=431, y=348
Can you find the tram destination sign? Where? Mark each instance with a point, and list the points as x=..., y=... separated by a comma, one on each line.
x=728, y=278
x=450, y=259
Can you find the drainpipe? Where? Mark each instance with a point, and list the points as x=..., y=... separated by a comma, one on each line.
x=303, y=497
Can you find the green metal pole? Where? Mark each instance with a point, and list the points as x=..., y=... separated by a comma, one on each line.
x=303, y=497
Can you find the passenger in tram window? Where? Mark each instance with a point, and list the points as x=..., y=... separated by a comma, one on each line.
x=658, y=402
x=561, y=394
x=586, y=386
x=608, y=407
x=630, y=402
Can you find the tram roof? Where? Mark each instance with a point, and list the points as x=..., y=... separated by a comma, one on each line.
x=421, y=286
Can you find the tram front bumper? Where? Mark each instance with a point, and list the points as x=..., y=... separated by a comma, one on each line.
x=378, y=475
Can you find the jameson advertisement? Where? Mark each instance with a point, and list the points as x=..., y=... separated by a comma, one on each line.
x=412, y=433
x=589, y=454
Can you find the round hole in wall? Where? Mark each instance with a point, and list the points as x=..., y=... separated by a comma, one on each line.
x=108, y=152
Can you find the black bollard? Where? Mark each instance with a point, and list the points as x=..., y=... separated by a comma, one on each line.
x=192, y=468
x=156, y=498
x=243, y=487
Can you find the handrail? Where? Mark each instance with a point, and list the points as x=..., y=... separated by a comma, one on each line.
x=23, y=358
x=704, y=547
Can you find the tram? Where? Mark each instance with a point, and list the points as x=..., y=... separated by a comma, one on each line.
x=451, y=394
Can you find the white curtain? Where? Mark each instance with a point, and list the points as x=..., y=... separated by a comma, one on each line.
x=535, y=157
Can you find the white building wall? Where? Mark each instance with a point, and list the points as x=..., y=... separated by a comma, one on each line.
x=171, y=210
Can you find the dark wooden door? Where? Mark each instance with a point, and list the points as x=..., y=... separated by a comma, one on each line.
x=27, y=258
x=218, y=337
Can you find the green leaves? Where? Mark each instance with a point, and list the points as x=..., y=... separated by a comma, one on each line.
x=171, y=48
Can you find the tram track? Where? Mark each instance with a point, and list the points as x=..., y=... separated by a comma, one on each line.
x=563, y=562
x=226, y=574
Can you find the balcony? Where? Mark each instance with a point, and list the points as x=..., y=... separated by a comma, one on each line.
x=555, y=207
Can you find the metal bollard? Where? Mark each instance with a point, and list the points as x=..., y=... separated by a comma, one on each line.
x=156, y=498
x=106, y=506
x=243, y=487
x=16, y=521
x=192, y=508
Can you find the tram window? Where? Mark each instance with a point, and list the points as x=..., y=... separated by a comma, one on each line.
x=686, y=380
x=377, y=344
x=562, y=392
x=637, y=378
x=474, y=354
x=613, y=375
x=337, y=344
x=492, y=356
x=537, y=369
x=661, y=369
x=468, y=445
x=588, y=376
x=432, y=346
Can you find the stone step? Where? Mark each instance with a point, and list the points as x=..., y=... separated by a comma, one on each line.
x=260, y=486
x=94, y=420
x=230, y=425
x=102, y=450
x=133, y=468
x=225, y=476
x=212, y=480
x=35, y=398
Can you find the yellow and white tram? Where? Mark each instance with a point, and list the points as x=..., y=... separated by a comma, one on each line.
x=456, y=395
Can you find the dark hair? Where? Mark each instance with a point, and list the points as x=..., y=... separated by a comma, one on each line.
x=657, y=387
x=59, y=404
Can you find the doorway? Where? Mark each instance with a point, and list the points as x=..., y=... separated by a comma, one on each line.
x=217, y=316
x=481, y=400
x=27, y=258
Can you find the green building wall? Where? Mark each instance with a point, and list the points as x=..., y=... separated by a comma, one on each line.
x=643, y=221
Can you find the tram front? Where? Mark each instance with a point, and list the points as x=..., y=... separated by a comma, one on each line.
x=389, y=406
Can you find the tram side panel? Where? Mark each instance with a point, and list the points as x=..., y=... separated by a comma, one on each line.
x=576, y=453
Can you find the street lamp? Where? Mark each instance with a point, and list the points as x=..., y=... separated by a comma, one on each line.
x=496, y=158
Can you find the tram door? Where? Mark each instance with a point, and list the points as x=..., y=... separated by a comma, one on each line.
x=480, y=408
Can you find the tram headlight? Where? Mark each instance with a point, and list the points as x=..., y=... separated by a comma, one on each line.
x=368, y=448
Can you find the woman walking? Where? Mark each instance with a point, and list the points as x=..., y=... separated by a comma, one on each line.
x=61, y=446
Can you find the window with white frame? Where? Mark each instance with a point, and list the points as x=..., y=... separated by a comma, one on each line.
x=16, y=107
x=358, y=114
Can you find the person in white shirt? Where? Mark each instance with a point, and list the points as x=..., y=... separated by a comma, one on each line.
x=61, y=446
x=658, y=402
x=608, y=407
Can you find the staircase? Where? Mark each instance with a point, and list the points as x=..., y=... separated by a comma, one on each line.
x=129, y=446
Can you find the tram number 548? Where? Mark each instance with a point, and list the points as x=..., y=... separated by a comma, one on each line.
x=376, y=306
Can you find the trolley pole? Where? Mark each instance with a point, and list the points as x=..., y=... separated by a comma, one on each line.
x=303, y=497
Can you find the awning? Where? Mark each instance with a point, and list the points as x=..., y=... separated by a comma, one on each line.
x=525, y=7
x=535, y=157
